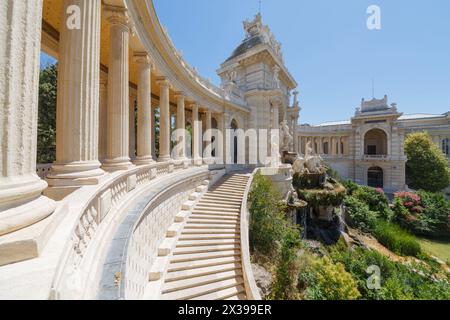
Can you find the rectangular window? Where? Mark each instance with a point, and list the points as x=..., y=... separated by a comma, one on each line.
x=371, y=150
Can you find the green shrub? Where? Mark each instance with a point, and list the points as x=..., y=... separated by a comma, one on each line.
x=351, y=187
x=285, y=286
x=398, y=281
x=375, y=199
x=427, y=167
x=321, y=279
x=358, y=214
x=267, y=218
x=396, y=239
x=424, y=213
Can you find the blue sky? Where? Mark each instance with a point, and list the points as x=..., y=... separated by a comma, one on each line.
x=328, y=48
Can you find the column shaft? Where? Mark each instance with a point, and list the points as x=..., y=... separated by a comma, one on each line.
x=164, y=120
x=78, y=101
x=21, y=203
x=118, y=91
x=144, y=120
x=103, y=120
x=208, y=134
x=132, y=128
x=181, y=125
x=196, y=136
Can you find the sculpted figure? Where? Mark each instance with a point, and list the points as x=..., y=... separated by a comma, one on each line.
x=286, y=136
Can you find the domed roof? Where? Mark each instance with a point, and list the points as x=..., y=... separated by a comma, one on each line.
x=246, y=45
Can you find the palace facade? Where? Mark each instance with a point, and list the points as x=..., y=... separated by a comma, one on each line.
x=369, y=148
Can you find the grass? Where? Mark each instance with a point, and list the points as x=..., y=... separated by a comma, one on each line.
x=396, y=239
x=437, y=248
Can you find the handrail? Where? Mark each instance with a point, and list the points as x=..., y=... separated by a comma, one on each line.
x=251, y=289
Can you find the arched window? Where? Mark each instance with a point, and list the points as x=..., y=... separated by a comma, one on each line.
x=446, y=147
x=375, y=177
x=325, y=148
x=375, y=142
x=234, y=126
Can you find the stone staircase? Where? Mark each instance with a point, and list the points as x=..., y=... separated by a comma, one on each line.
x=205, y=260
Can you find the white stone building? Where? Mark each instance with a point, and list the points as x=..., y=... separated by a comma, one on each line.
x=368, y=148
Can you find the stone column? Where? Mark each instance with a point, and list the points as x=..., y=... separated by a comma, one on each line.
x=220, y=153
x=164, y=120
x=132, y=127
x=144, y=121
x=118, y=91
x=208, y=135
x=21, y=203
x=153, y=132
x=77, y=103
x=196, y=136
x=275, y=152
x=103, y=120
x=181, y=125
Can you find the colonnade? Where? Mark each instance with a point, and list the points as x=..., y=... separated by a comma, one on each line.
x=94, y=124
x=329, y=145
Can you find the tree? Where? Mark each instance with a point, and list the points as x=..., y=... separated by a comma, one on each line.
x=46, y=144
x=427, y=167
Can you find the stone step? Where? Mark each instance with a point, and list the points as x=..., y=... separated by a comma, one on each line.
x=239, y=189
x=215, y=205
x=213, y=222
x=210, y=231
x=240, y=296
x=204, y=243
x=182, y=216
x=166, y=247
x=204, y=249
x=224, y=294
x=200, y=226
x=208, y=237
x=174, y=230
x=204, y=256
x=211, y=289
x=189, y=265
x=222, y=197
x=210, y=217
x=216, y=209
x=200, y=280
x=220, y=201
x=194, y=273
x=215, y=212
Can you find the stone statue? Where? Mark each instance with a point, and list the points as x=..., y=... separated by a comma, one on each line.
x=299, y=165
x=313, y=162
x=276, y=77
x=286, y=136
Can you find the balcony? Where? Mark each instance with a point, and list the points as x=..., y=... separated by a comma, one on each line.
x=379, y=157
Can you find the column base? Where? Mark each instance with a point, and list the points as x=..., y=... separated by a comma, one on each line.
x=112, y=165
x=142, y=161
x=164, y=159
x=67, y=178
x=28, y=243
x=198, y=162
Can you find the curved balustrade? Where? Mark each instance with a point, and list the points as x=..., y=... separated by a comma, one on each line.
x=249, y=280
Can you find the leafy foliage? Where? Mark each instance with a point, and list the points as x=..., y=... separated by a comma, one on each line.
x=427, y=167
x=375, y=199
x=285, y=286
x=46, y=143
x=424, y=213
x=358, y=214
x=396, y=239
x=267, y=221
x=321, y=279
x=398, y=281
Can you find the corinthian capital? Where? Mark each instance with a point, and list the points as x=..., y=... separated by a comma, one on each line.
x=117, y=16
x=143, y=58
